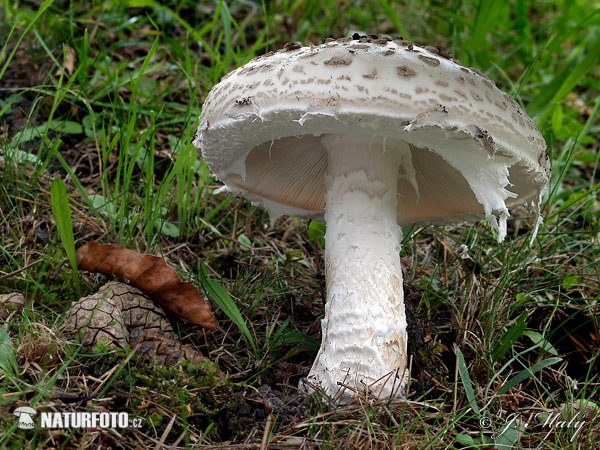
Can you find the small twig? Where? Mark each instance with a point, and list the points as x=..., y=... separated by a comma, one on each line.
x=440, y=385
x=390, y=415
x=106, y=376
x=23, y=269
x=263, y=444
x=68, y=397
x=178, y=440
x=58, y=269
x=161, y=442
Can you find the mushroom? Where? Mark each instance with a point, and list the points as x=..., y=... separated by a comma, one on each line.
x=24, y=414
x=371, y=134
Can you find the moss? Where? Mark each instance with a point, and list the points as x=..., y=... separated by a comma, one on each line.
x=429, y=356
x=198, y=392
x=102, y=346
x=156, y=419
x=198, y=388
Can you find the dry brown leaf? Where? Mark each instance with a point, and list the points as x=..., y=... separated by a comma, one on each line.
x=10, y=303
x=120, y=314
x=152, y=276
x=68, y=63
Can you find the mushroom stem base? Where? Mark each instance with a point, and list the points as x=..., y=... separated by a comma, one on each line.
x=364, y=328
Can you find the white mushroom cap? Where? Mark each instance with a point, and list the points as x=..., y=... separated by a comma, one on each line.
x=24, y=410
x=474, y=152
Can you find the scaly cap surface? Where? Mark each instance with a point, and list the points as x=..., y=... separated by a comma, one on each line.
x=474, y=151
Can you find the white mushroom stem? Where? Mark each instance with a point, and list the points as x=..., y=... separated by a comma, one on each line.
x=364, y=329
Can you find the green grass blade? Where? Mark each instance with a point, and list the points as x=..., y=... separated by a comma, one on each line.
x=226, y=303
x=64, y=225
x=8, y=362
x=463, y=371
x=511, y=336
x=145, y=64
x=526, y=373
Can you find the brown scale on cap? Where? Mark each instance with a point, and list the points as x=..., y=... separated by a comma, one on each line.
x=438, y=50
x=461, y=94
x=244, y=101
x=433, y=62
x=484, y=139
x=489, y=83
x=477, y=72
x=338, y=61
x=447, y=98
x=405, y=72
x=291, y=46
